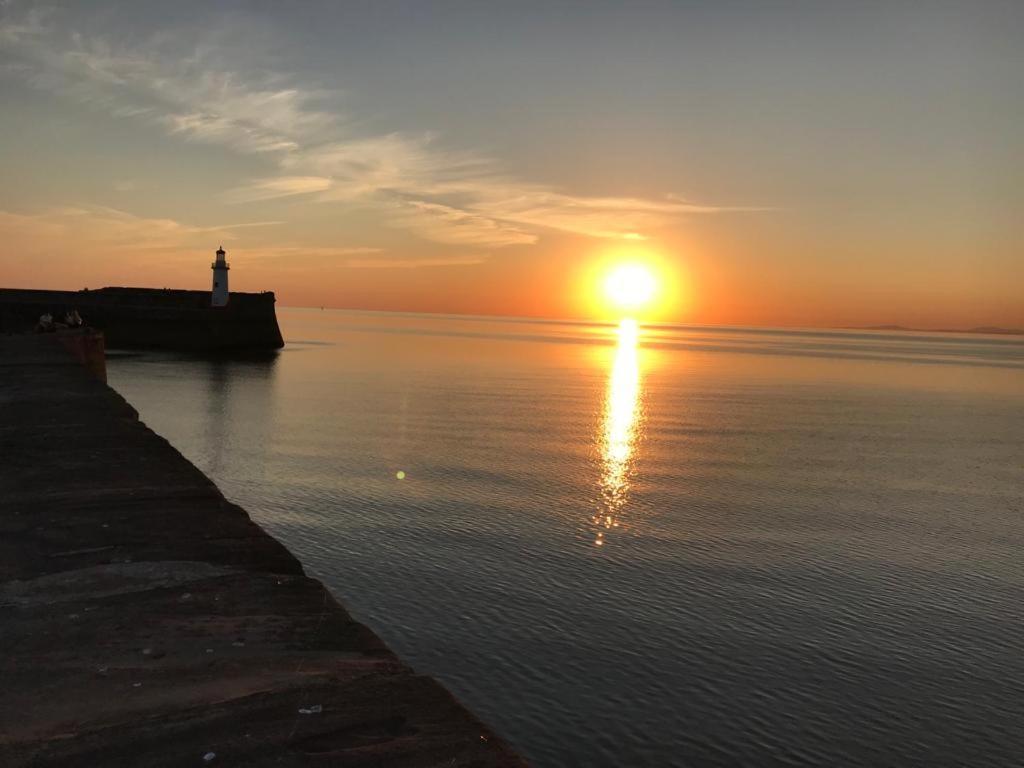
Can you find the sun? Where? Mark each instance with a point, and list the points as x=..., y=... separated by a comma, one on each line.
x=630, y=286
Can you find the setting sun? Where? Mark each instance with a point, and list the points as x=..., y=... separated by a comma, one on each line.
x=631, y=286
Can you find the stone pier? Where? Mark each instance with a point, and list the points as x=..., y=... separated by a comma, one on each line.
x=145, y=620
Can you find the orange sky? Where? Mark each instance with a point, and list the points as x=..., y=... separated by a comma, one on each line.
x=852, y=169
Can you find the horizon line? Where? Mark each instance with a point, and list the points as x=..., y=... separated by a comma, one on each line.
x=981, y=330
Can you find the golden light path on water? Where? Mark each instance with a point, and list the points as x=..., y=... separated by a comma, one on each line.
x=619, y=429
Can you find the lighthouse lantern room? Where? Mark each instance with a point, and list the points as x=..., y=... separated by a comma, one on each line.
x=219, y=298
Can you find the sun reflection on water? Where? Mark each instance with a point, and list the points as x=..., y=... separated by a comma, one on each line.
x=619, y=430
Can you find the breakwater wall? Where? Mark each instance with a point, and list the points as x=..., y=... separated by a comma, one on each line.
x=145, y=620
x=133, y=318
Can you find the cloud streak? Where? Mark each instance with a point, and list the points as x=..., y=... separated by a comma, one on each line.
x=277, y=187
x=109, y=230
x=417, y=263
x=357, y=257
x=453, y=226
x=457, y=198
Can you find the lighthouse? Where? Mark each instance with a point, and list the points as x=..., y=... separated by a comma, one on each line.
x=219, y=297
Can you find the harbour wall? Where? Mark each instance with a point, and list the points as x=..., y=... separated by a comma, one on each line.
x=133, y=318
x=145, y=620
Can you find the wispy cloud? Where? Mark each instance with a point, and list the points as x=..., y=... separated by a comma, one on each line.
x=108, y=229
x=417, y=263
x=279, y=186
x=355, y=257
x=291, y=253
x=453, y=226
x=443, y=195
x=184, y=90
x=603, y=217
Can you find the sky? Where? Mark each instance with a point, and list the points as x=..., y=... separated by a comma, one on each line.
x=772, y=163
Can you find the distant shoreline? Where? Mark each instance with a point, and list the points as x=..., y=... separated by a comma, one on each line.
x=983, y=329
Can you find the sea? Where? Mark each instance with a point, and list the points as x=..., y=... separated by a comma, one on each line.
x=647, y=545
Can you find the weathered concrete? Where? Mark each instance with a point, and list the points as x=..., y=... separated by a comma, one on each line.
x=146, y=620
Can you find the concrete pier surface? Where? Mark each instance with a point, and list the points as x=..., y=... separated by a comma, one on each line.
x=146, y=620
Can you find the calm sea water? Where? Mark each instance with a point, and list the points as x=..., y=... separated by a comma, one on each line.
x=664, y=546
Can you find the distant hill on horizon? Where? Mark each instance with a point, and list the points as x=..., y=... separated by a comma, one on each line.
x=988, y=329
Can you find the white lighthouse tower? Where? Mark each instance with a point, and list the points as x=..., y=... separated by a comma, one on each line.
x=220, y=280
